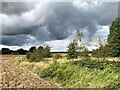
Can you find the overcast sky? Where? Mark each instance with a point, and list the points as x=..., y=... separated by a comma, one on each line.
x=26, y=24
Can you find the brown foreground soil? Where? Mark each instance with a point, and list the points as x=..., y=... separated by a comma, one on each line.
x=12, y=76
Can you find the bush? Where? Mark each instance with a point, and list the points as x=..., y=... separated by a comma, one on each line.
x=39, y=54
x=36, y=56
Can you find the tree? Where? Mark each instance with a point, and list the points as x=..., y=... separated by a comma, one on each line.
x=114, y=38
x=39, y=54
x=47, y=52
x=21, y=51
x=6, y=51
x=85, y=51
x=72, y=49
x=102, y=45
x=32, y=49
x=40, y=47
x=103, y=50
x=79, y=36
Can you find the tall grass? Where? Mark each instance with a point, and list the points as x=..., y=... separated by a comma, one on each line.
x=86, y=73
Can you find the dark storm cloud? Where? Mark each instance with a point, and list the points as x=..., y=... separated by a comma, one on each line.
x=14, y=40
x=119, y=9
x=108, y=12
x=55, y=21
x=23, y=30
x=16, y=7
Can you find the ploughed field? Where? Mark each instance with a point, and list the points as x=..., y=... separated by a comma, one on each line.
x=14, y=76
x=84, y=72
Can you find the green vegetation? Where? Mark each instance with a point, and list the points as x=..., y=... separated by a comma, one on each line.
x=85, y=73
x=32, y=49
x=102, y=52
x=114, y=38
x=112, y=48
x=77, y=73
x=72, y=49
x=39, y=54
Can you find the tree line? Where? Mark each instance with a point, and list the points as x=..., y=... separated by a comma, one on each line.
x=20, y=51
x=14, y=52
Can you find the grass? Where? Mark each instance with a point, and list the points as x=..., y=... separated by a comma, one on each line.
x=77, y=73
x=84, y=74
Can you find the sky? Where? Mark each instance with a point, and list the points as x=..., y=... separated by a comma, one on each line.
x=26, y=24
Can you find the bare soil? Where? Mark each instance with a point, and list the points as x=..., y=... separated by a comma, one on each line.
x=12, y=76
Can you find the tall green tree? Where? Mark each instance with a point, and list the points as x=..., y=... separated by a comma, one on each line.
x=72, y=49
x=114, y=38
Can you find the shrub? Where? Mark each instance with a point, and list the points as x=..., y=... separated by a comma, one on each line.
x=39, y=54
x=72, y=49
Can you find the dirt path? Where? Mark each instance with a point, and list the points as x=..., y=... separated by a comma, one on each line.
x=17, y=77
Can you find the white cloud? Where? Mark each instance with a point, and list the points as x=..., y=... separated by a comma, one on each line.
x=58, y=45
x=102, y=32
x=86, y=5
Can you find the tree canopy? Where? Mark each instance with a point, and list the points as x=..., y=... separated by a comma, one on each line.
x=114, y=38
x=72, y=49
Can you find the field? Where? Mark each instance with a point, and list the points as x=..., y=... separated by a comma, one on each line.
x=54, y=44
x=14, y=76
x=73, y=73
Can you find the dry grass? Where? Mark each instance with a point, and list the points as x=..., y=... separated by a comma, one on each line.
x=11, y=57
